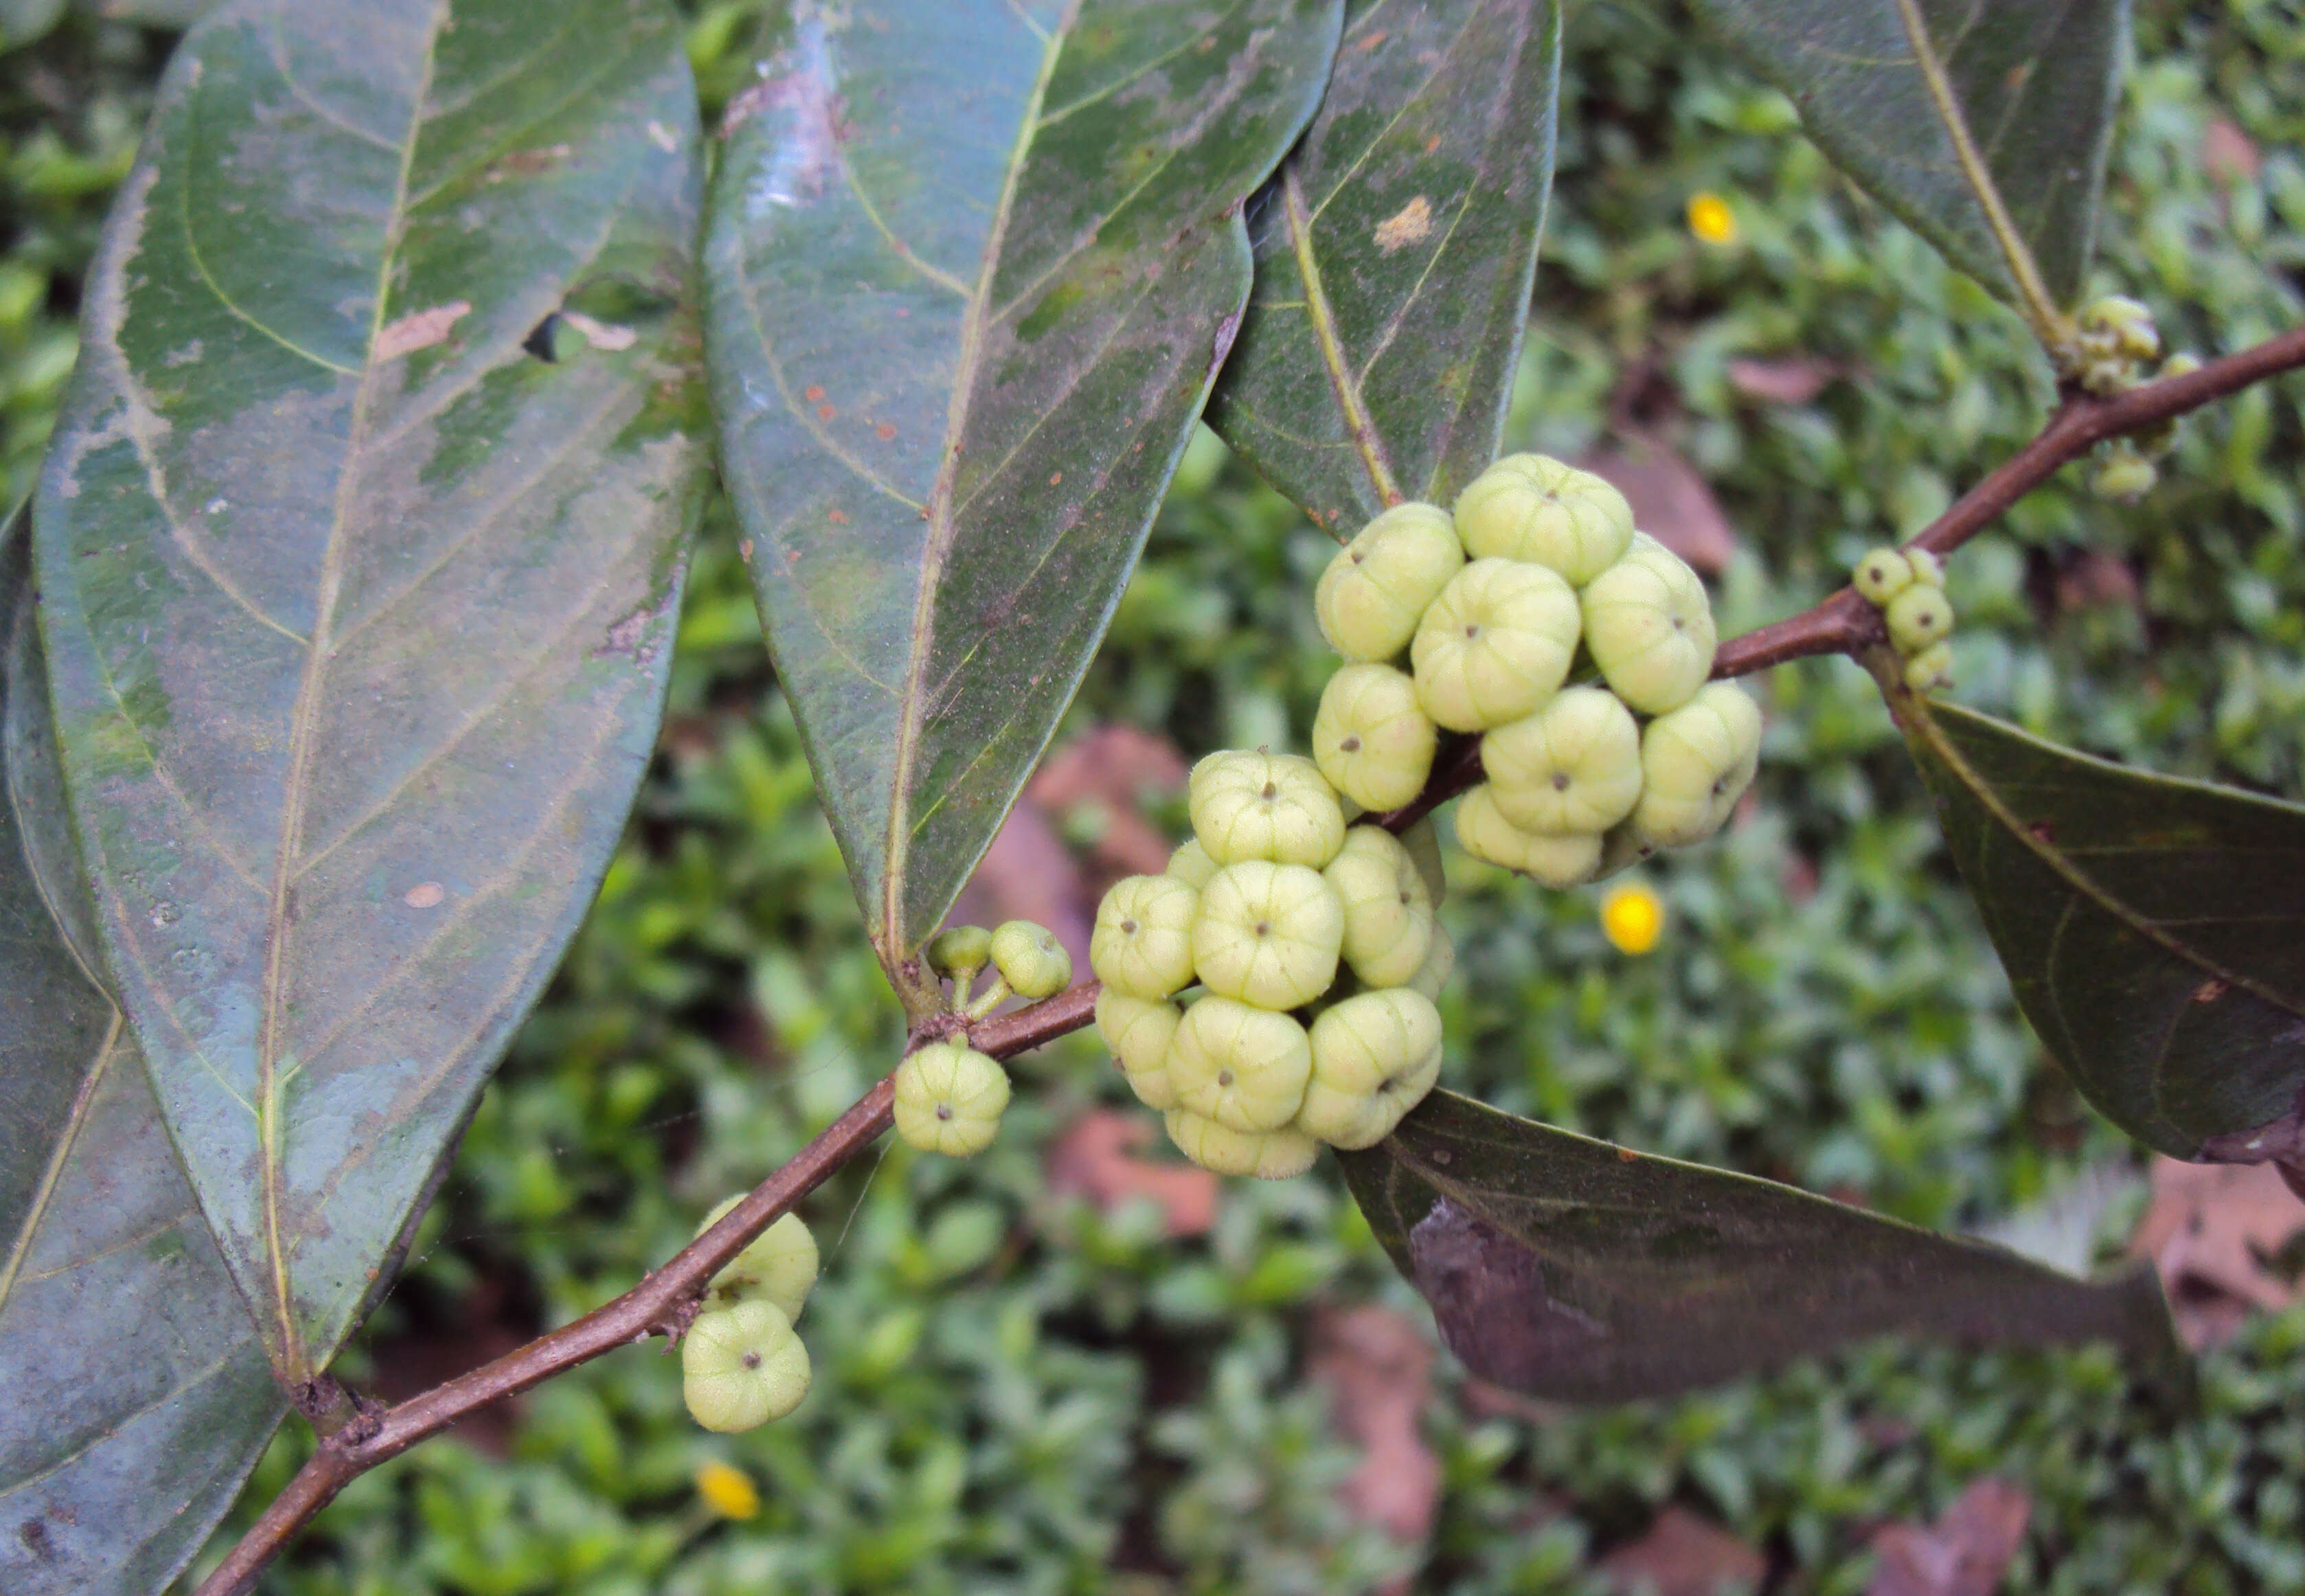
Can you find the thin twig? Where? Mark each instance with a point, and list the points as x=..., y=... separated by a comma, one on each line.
x=662, y=1302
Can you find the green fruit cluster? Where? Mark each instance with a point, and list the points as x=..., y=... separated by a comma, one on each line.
x=1907, y=585
x=1492, y=608
x=741, y=1361
x=1316, y=957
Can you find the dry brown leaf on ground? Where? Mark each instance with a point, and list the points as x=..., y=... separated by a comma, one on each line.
x=1095, y=1157
x=1029, y=874
x=1378, y=1369
x=2212, y=1231
x=1671, y=502
x=1793, y=379
x=1684, y=1554
x=1115, y=768
x=1965, y=1553
x=2229, y=155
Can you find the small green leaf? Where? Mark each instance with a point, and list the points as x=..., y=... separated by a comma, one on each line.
x=971, y=264
x=357, y=612
x=138, y=1395
x=2153, y=928
x=1579, y=1271
x=1394, y=256
x=1987, y=133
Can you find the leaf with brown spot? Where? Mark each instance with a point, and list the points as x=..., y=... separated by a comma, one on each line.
x=1560, y=1268
x=1007, y=233
x=1394, y=256
x=333, y=615
x=2153, y=928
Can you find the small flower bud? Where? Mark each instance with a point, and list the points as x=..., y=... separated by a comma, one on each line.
x=779, y=1266
x=1374, y=1057
x=1928, y=570
x=1030, y=960
x=1931, y=669
x=1191, y=864
x=1268, y=934
x=1573, y=766
x=1143, y=943
x=1557, y=861
x=1242, y=1066
x=1369, y=598
x=741, y=1366
x=1371, y=739
x=1495, y=644
x=949, y=1099
x=1882, y=574
x=960, y=951
x=1273, y=806
x=2123, y=475
x=1139, y=1031
x=1696, y=763
x=1919, y=617
x=1268, y=1155
x=1388, y=915
x=1535, y=509
x=1649, y=626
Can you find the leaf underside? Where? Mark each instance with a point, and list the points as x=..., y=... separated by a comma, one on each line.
x=2034, y=82
x=970, y=266
x=1394, y=258
x=138, y=1395
x=1578, y=1271
x=357, y=612
x=2153, y=928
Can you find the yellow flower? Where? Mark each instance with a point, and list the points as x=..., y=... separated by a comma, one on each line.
x=1632, y=917
x=1711, y=219
x=728, y=1490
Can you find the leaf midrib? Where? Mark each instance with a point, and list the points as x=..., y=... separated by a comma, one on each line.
x=942, y=514
x=271, y=1079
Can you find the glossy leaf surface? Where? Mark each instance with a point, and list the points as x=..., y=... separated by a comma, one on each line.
x=971, y=264
x=1579, y=1271
x=138, y=1395
x=2033, y=82
x=1394, y=256
x=357, y=611
x=2153, y=928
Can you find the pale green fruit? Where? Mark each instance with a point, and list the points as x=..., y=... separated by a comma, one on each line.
x=1374, y=1057
x=1242, y=1066
x=2122, y=327
x=1371, y=739
x=950, y=1099
x=1268, y=934
x=1919, y=617
x=1927, y=568
x=1031, y=959
x=2124, y=476
x=960, y=951
x=1696, y=763
x=1558, y=861
x=779, y=1265
x=1495, y=644
x=1649, y=626
x=1621, y=848
x=1931, y=669
x=1268, y=1155
x=1192, y=865
x=742, y=1367
x=1369, y=598
x=1139, y=1031
x=1882, y=575
x=1274, y=806
x=1423, y=845
x=1388, y=913
x=1536, y=509
x=1143, y=943
x=1439, y=965
x=1573, y=766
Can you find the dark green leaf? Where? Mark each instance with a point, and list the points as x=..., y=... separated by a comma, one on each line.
x=2154, y=930
x=357, y=612
x=2032, y=83
x=1582, y=1272
x=138, y=1396
x=1394, y=256
x=971, y=264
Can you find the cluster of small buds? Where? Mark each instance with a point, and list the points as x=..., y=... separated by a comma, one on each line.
x=1316, y=958
x=1537, y=576
x=2114, y=344
x=1907, y=585
x=742, y=1363
x=948, y=1095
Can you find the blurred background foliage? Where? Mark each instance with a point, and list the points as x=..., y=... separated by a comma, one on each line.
x=1019, y=1391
